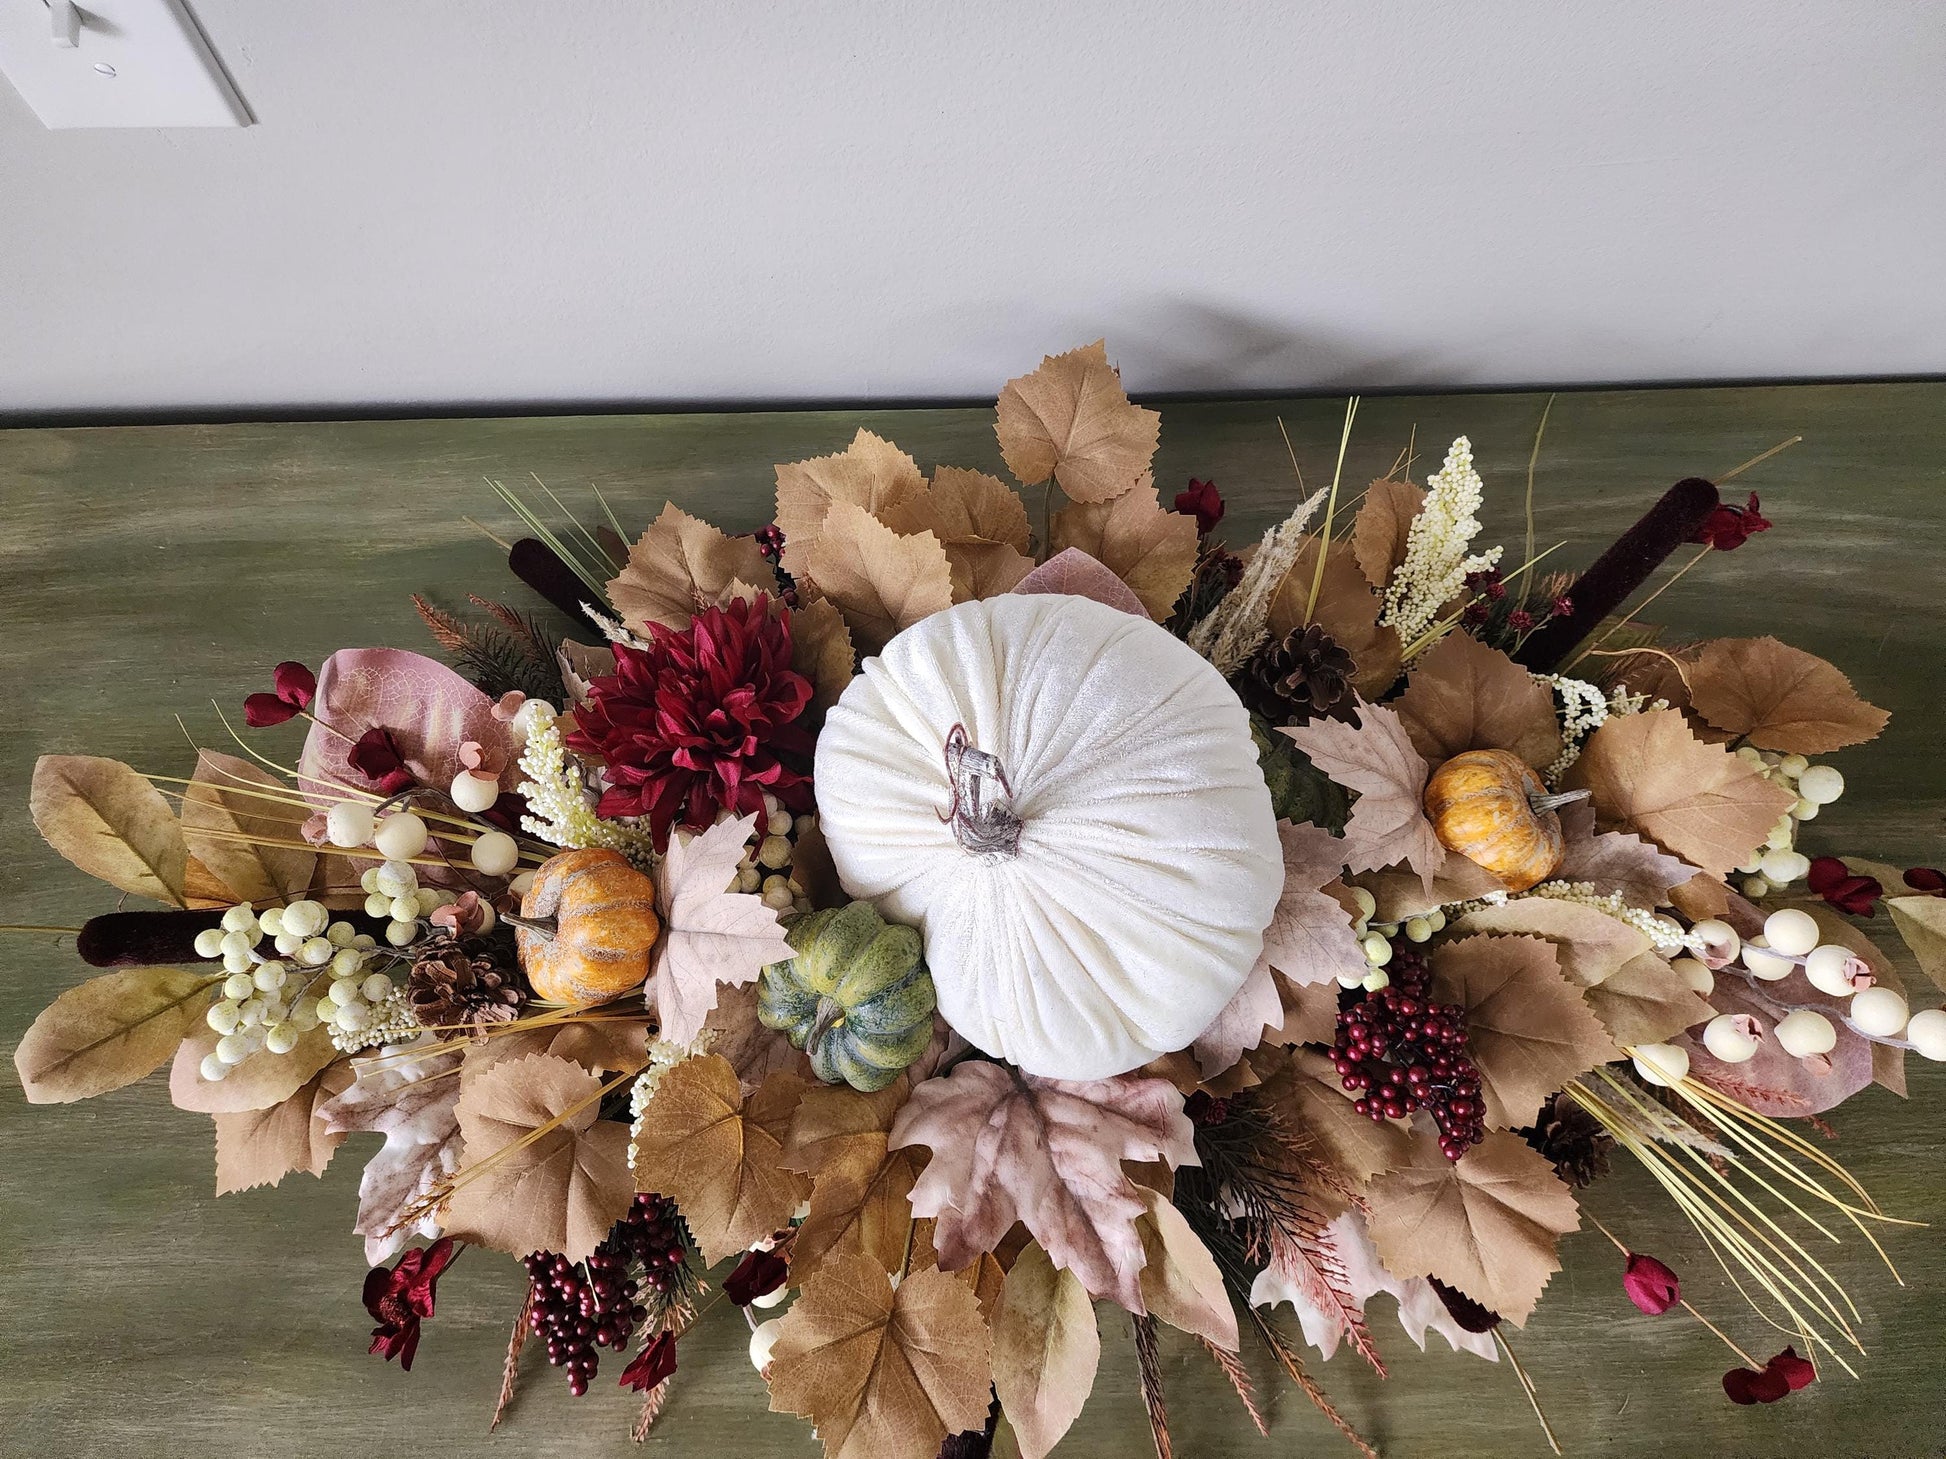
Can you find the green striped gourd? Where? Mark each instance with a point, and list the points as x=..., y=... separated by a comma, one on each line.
x=857, y=997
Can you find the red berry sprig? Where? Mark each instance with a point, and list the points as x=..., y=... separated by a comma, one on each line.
x=579, y=1307
x=1402, y=1052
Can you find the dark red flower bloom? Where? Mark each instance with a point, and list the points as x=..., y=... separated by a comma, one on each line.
x=653, y=1364
x=758, y=1275
x=1926, y=879
x=701, y=721
x=376, y=756
x=1561, y=607
x=399, y=1296
x=1203, y=502
x=1520, y=620
x=1781, y=1376
x=1650, y=1285
x=1831, y=879
x=1727, y=528
x=295, y=688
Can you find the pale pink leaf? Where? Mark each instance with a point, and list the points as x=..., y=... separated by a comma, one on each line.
x=710, y=934
x=1256, y=1010
x=1074, y=573
x=1376, y=758
x=409, y=1099
x=429, y=710
x=1309, y=939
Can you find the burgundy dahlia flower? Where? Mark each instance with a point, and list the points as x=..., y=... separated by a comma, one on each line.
x=701, y=721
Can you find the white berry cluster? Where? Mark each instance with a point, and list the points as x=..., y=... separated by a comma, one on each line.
x=401, y=835
x=664, y=1055
x=1375, y=940
x=1778, y=862
x=766, y=866
x=1436, y=558
x=1583, y=709
x=263, y=1003
x=560, y=802
x=392, y=891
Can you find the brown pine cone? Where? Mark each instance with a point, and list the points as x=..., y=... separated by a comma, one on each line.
x=448, y=987
x=1573, y=1139
x=1306, y=676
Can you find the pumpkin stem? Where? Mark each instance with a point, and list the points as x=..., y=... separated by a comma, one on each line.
x=542, y=927
x=831, y=1013
x=982, y=828
x=1542, y=804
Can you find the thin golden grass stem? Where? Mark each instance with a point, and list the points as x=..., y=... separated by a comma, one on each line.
x=498, y=541
x=1532, y=458
x=29, y=927
x=1757, y=460
x=1527, y=1387
x=1330, y=507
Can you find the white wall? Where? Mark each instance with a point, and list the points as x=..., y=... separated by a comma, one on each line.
x=513, y=201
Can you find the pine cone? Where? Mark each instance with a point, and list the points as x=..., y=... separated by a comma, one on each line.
x=449, y=987
x=1573, y=1139
x=1307, y=676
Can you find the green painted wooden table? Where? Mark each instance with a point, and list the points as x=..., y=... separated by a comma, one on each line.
x=146, y=571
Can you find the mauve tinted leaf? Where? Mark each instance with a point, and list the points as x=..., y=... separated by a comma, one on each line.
x=429, y=710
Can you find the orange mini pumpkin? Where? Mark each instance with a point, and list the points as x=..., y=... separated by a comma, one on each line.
x=1490, y=807
x=586, y=927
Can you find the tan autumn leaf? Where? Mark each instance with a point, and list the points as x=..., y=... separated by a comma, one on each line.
x=1921, y=922
x=985, y=569
x=1401, y=893
x=737, y=1034
x=1464, y=695
x=1180, y=1281
x=1489, y=1223
x=609, y=1041
x=883, y=1374
x=1150, y=549
x=983, y=1276
x=1375, y=757
x=1528, y=1031
x=258, y=1082
x=860, y=1188
x=261, y=1146
x=1346, y=608
x=1378, y=535
x=680, y=565
x=109, y=1031
x=1304, y=1085
x=1650, y=775
x=710, y=935
x=1779, y=697
x=1008, y=1146
x=1637, y=996
x=540, y=1171
x=871, y=474
x=964, y=506
x=111, y=823
x=719, y=1158
x=879, y=581
x=821, y=650
x=1637, y=871
x=1046, y=1350
x=229, y=798
x=1071, y=419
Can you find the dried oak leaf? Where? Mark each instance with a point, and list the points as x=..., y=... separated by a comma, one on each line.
x=1346, y=609
x=1008, y=1146
x=1464, y=695
x=1638, y=871
x=1046, y=1351
x=108, y=1032
x=879, y=581
x=1071, y=419
x=1181, y=1284
x=710, y=935
x=871, y=474
x=410, y=1100
x=719, y=1156
x=1637, y=996
x=261, y=1146
x=1779, y=697
x=1649, y=774
x=1147, y=547
x=964, y=506
x=1528, y=1031
x=229, y=797
x=1074, y=573
x=111, y=823
x=558, y=1192
x=883, y=1374
x=1488, y=1223
x=1378, y=535
x=1375, y=757
x=680, y=565
x=821, y=650
x=860, y=1187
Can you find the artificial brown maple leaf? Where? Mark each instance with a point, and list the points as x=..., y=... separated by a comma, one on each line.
x=718, y=1156
x=883, y=1374
x=1303, y=1084
x=1147, y=547
x=860, y=1188
x=879, y=581
x=610, y=1041
x=229, y=798
x=1255, y=1012
x=551, y=1174
x=1008, y=1146
x=1046, y=1350
x=1464, y=695
x=1651, y=775
x=411, y=1100
x=1375, y=757
x=1378, y=535
x=261, y=1146
x=680, y=565
x=964, y=506
x=1346, y=609
x=1527, y=1029
x=710, y=935
x=1071, y=419
x=1639, y=872
x=871, y=473
x=1779, y=698
x=1401, y=893
x=1488, y=1223
x=1921, y=923
x=821, y=650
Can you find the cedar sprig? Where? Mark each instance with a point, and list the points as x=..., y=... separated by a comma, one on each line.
x=513, y=653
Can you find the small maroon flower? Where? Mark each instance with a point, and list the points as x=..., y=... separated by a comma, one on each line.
x=1831, y=879
x=376, y=756
x=295, y=687
x=1650, y=1285
x=1205, y=1109
x=1561, y=607
x=652, y=1365
x=1727, y=528
x=401, y=1295
x=1203, y=502
x=1781, y=1376
x=1520, y=620
x=1475, y=614
x=1928, y=880
x=758, y=1275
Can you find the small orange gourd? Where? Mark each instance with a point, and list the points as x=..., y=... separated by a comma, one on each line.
x=1490, y=807
x=586, y=927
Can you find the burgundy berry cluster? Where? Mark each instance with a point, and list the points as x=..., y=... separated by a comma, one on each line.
x=1401, y=1052
x=579, y=1307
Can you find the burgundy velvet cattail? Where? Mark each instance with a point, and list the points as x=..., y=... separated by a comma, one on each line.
x=1619, y=571
x=540, y=567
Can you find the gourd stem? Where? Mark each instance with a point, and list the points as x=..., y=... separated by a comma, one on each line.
x=542, y=927
x=1545, y=803
x=984, y=827
x=830, y=1015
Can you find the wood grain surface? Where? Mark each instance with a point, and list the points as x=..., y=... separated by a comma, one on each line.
x=145, y=572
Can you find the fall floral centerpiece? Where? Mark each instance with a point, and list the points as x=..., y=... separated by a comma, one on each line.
x=963, y=912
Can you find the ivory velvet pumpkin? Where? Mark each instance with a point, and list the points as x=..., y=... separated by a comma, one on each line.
x=587, y=926
x=1065, y=800
x=1490, y=807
